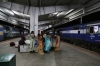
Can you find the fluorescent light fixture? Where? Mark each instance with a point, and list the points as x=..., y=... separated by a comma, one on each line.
x=17, y=13
x=59, y=14
x=10, y=12
x=21, y=15
x=55, y=13
x=7, y=11
x=50, y=26
x=5, y=0
x=69, y=11
x=14, y=21
x=65, y=13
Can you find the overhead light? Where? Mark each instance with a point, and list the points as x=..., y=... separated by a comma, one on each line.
x=69, y=11
x=58, y=14
x=65, y=13
x=5, y=0
x=50, y=26
x=10, y=12
x=55, y=13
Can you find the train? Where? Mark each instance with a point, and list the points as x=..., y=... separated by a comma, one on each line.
x=86, y=35
x=7, y=32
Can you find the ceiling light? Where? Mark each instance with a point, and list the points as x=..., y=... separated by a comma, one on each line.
x=69, y=11
x=5, y=0
x=10, y=12
x=55, y=13
x=58, y=14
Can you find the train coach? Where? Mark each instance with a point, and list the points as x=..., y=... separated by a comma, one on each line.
x=7, y=32
x=85, y=35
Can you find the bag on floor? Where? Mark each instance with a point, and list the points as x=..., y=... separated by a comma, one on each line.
x=52, y=49
x=16, y=44
x=12, y=44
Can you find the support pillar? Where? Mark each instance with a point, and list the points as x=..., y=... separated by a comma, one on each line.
x=34, y=20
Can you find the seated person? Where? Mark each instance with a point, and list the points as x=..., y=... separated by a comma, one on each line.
x=22, y=41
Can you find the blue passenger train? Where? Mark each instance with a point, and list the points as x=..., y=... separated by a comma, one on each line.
x=85, y=35
x=87, y=32
x=7, y=32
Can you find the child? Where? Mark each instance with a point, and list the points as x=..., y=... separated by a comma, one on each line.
x=36, y=45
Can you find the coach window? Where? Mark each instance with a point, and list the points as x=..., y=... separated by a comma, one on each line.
x=92, y=29
x=95, y=29
x=88, y=29
x=76, y=28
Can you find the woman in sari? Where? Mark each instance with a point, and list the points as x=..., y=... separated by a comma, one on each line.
x=40, y=46
x=47, y=43
x=57, y=47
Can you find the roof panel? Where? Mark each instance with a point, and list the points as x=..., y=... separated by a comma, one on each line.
x=48, y=2
x=65, y=2
x=23, y=2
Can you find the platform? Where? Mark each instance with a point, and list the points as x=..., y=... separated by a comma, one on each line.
x=70, y=56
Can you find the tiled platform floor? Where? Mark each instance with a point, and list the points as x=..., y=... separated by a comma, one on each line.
x=70, y=56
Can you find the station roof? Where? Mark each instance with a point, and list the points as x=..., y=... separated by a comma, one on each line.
x=42, y=3
x=59, y=17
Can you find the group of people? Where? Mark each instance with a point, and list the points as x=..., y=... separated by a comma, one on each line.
x=42, y=43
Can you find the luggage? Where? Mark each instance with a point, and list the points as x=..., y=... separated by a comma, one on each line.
x=27, y=41
x=21, y=42
x=36, y=48
x=16, y=44
x=24, y=48
x=12, y=44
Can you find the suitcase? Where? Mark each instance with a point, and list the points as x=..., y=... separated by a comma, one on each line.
x=24, y=48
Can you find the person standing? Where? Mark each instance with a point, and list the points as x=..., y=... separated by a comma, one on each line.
x=36, y=44
x=47, y=42
x=32, y=41
x=40, y=46
x=57, y=47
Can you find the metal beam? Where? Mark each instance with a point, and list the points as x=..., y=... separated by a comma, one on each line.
x=40, y=3
x=57, y=2
x=11, y=4
x=29, y=2
x=69, y=2
x=39, y=7
x=45, y=24
x=28, y=11
x=28, y=5
x=84, y=2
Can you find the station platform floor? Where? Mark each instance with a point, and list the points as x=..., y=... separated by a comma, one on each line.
x=70, y=55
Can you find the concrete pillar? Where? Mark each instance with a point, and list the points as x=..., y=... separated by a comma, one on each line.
x=34, y=20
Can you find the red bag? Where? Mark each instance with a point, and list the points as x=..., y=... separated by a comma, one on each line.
x=12, y=44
